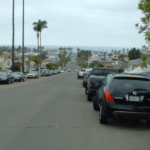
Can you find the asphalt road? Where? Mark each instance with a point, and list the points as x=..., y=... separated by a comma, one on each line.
x=52, y=113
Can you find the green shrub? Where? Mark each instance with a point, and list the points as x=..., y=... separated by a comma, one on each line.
x=120, y=70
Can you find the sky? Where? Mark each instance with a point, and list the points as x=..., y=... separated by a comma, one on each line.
x=109, y=23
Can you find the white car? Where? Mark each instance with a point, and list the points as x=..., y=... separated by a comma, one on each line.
x=32, y=74
x=81, y=73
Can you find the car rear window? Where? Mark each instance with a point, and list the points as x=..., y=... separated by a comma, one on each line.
x=83, y=70
x=129, y=84
x=103, y=72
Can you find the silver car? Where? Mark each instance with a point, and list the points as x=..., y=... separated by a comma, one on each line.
x=32, y=74
x=18, y=76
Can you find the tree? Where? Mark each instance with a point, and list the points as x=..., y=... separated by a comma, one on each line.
x=16, y=67
x=39, y=26
x=134, y=54
x=34, y=59
x=36, y=28
x=97, y=64
x=143, y=58
x=23, y=39
x=144, y=6
x=13, y=36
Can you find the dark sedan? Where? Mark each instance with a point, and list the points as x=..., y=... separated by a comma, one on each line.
x=18, y=76
x=6, y=77
x=125, y=96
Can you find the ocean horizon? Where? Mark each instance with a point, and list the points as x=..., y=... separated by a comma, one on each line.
x=92, y=48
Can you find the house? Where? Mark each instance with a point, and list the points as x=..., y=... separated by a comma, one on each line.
x=126, y=59
x=5, y=61
x=44, y=62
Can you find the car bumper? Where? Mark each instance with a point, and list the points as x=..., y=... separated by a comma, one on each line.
x=127, y=110
x=92, y=91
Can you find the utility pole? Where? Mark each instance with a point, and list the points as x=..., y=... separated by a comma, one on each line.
x=23, y=39
x=13, y=35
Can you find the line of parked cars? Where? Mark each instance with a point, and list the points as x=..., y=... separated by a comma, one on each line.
x=117, y=95
x=7, y=76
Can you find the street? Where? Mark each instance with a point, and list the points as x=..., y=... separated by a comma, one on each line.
x=52, y=113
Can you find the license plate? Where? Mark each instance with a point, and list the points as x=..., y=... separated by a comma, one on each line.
x=134, y=98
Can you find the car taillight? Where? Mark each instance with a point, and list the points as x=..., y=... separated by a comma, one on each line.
x=108, y=96
x=90, y=82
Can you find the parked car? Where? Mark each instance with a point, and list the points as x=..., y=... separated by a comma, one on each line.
x=46, y=72
x=62, y=71
x=6, y=77
x=69, y=70
x=123, y=95
x=59, y=71
x=80, y=73
x=85, y=79
x=18, y=76
x=32, y=74
x=95, y=80
x=52, y=72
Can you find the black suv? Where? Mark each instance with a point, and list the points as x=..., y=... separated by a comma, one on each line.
x=95, y=80
x=124, y=95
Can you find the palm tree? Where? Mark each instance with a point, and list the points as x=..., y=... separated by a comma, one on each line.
x=61, y=49
x=13, y=36
x=40, y=25
x=23, y=39
x=36, y=28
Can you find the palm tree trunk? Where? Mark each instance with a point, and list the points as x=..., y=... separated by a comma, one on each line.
x=23, y=40
x=38, y=51
x=13, y=35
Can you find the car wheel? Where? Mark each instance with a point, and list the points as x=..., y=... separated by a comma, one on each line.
x=12, y=81
x=86, y=91
x=8, y=82
x=89, y=97
x=20, y=80
x=148, y=122
x=78, y=77
x=95, y=105
x=103, y=119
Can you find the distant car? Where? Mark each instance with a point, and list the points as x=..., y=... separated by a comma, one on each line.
x=32, y=74
x=80, y=73
x=62, y=71
x=69, y=70
x=6, y=77
x=46, y=72
x=18, y=76
x=52, y=72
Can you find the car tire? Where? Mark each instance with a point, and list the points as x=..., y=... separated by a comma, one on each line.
x=78, y=77
x=103, y=119
x=12, y=81
x=86, y=91
x=148, y=122
x=8, y=82
x=89, y=97
x=20, y=80
x=95, y=105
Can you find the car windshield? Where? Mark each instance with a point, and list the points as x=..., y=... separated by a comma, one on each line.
x=83, y=70
x=127, y=84
x=15, y=73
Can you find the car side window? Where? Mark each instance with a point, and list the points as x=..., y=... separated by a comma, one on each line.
x=105, y=81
